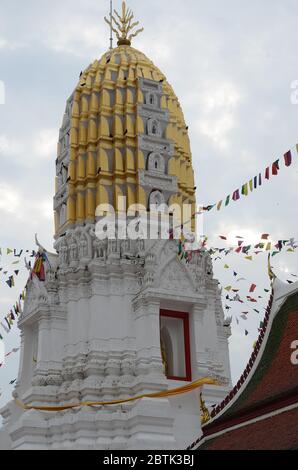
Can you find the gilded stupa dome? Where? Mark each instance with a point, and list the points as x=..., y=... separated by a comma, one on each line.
x=123, y=134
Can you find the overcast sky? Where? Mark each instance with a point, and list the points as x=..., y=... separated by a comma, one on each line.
x=231, y=64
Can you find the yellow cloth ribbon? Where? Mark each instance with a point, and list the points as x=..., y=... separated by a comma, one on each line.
x=38, y=266
x=166, y=393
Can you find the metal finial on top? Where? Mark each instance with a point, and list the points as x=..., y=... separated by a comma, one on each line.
x=122, y=26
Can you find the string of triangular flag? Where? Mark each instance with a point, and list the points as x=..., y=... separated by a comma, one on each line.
x=253, y=183
x=17, y=253
x=9, y=320
x=13, y=351
x=39, y=271
x=232, y=294
x=263, y=246
x=252, y=290
x=10, y=280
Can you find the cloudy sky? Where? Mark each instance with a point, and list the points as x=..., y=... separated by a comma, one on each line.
x=231, y=64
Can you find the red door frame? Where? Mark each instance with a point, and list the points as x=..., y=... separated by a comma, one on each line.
x=185, y=317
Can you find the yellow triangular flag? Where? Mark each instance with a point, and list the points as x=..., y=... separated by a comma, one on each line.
x=249, y=258
x=228, y=288
x=270, y=271
x=9, y=251
x=244, y=190
x=219, y=205
x=268, y=246
x=290, y=250
x=226, y=266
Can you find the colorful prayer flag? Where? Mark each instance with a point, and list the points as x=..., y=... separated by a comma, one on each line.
x=260, y=179
x=288, y=158
x=275, y=168
x=236, y=195
x=244, y=190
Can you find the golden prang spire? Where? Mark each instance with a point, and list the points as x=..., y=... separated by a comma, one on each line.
x=122, y=25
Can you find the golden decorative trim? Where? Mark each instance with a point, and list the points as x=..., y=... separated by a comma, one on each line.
x=166, y=393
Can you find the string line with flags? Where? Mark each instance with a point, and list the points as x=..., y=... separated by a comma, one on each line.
x=264, y=246
x=232, y=295
x=251, y=185
x=255, y=182
x=38, y=271
x=13, y=351
x=9, y=319
x=17, y=255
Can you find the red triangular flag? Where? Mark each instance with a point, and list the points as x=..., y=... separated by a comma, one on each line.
x=236, y=195
x=288, y=158
x=275, y=168
x=252, y=288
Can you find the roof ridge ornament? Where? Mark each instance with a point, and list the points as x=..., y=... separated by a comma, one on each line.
x=122, y=25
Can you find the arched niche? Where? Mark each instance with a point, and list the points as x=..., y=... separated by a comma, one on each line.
x=156, y=199
x=151, y=99
x=156, y=162
x=154, y=128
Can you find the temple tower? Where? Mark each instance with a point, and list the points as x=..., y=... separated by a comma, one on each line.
x=113, y=319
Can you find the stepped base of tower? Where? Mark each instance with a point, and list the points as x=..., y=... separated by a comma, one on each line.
x=149, y=424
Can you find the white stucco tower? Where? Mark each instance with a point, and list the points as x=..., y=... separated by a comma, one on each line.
x=118, y=318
